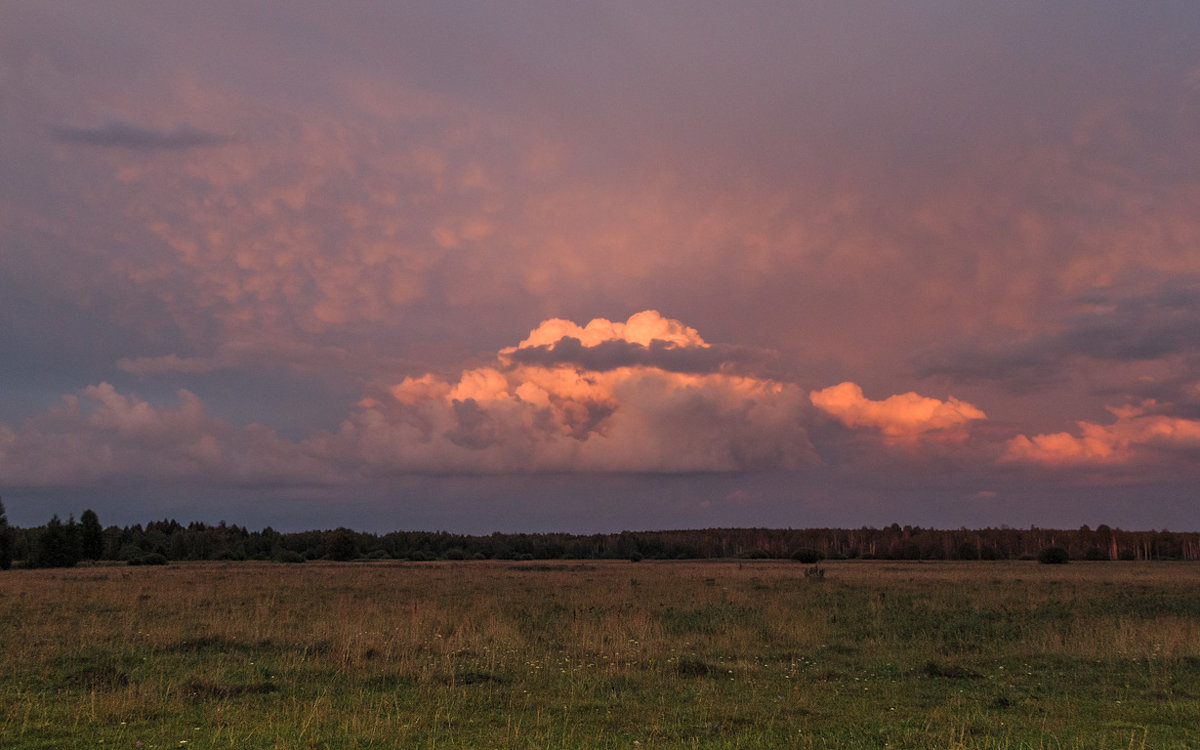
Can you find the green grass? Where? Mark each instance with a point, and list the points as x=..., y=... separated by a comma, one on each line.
x=602, y=655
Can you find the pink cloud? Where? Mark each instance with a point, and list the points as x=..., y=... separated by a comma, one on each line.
x=902, y=418
x=1133, y=437
x=101, y=435
x=641, y=328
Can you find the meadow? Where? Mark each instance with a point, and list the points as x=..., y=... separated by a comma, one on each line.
x=613, y=654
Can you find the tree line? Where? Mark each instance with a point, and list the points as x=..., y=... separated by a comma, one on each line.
x=65, y=543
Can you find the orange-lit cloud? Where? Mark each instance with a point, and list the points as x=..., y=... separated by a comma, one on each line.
x=904, y=417
x=1133, y=436
x=512, y=416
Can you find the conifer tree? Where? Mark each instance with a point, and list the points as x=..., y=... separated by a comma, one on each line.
x=91, y=536
x=72, y=545
x=57, y=545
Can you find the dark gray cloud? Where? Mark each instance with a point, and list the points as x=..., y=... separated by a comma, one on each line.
x=137, y=138
x=1162, y=323
x=610, y=355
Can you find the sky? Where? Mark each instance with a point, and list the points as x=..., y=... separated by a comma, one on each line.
x=547, y=266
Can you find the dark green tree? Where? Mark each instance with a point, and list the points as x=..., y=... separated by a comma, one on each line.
x=57, y=545
x=51, y=550
x=91, y=536
x=73, y=548
x=340, y=544
x=6, y=540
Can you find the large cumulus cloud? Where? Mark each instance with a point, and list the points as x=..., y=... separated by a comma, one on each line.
x=606, y=404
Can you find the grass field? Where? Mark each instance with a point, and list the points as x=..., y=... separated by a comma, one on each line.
x=602, y=655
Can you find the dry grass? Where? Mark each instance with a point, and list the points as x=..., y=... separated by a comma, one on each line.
x=679, y=654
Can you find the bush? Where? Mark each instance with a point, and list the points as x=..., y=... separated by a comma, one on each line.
x=130, y=552
x=807, y=556
x=150, y=558
x=1053, y=556
x=1095, y=554
x=288, y=556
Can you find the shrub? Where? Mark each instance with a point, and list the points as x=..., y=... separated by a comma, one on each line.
x=129, y=552
x=289, y=556
x=808, y=556
x=694, y=668
x=150, y=558
x=1095, y=554
x=1053, y=556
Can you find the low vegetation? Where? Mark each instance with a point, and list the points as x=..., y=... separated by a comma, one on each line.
x=605, y=654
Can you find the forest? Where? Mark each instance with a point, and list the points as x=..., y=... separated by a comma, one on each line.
x=61, y=543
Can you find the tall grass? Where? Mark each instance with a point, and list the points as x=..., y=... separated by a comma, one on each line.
x=501, y=655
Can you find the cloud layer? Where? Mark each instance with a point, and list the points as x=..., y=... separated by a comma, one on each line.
x=374, y=204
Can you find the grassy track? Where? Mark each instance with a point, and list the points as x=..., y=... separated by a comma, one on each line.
x=599, y=655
